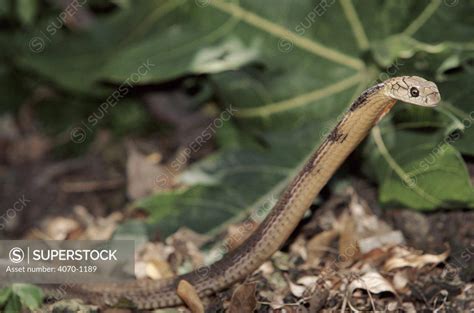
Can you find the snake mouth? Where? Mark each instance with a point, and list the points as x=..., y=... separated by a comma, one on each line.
x=432, y=99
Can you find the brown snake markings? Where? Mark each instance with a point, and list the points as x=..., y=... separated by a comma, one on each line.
x=336, y=135
x=362, y=115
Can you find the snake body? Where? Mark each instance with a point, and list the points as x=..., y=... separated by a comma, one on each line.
x=354, y=126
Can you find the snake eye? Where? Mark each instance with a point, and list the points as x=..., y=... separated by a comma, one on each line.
x=414, y=92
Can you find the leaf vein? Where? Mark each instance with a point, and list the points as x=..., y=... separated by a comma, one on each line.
x=279, y=31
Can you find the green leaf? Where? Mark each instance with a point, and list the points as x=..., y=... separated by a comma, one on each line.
x=5, y=6
x=13, y=90
x=122, y=3
x=26, y=10
x=413, y=170
x=13, y=304
x=459, y=99
x=29, y=295
x=132, y=230
x=4, y=295
x=138, y=47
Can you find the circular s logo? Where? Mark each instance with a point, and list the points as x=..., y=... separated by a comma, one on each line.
x=16, y=255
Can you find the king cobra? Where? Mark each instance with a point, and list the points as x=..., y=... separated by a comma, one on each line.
x=275, y=229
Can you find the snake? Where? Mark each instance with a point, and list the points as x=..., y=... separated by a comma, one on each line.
x=361, y=116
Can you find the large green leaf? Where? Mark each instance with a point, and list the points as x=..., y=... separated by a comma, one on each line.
x=294, y=67
x=26, y=10
x=460, y=99
x=4, y=295
x=30, y=295
x=12, y=298
x=5, y=7
x=150, y=42
x=13, y=304
x=418, y=176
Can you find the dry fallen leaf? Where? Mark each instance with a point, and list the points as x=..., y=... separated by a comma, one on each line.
x=59, y=228
x=408, y=307
x=367, y=224
x=296, y=290
x=400, y=281
x=80, y=226
x=381, y=240
x=372, y=282
x=298, y=247
x=307, y=281
x=318, y=300
x=319, y=244
x=266, y=268
x=406, y=258
x=186, y=243
x=189, y=295
x=243, y=300
x=370, y=231
x=348, y=248
x=184, y=234
x=158, y=269
x=97, y=228
x=145, y=174
x=151, y=261
x=274, y=296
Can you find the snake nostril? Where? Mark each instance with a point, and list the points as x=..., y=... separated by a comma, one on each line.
x=434, y=98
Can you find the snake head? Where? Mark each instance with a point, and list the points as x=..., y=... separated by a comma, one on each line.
x=414, y=90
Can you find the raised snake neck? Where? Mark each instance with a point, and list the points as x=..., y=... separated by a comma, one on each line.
x=361, y=116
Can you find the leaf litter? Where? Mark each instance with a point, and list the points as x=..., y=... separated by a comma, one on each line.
x=333, y=269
